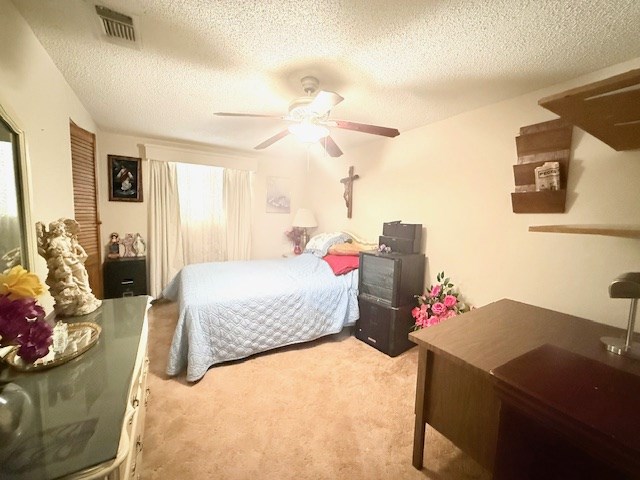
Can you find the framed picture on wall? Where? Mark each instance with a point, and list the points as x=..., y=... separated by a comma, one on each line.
x=278, y=195
x=125, y=178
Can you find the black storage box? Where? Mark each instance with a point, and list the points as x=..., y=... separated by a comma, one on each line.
x=385, y=328
x=125, y=277
x=401, y=237
x=392, y=279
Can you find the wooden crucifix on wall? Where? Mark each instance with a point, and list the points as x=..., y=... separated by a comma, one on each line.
x=348, y=190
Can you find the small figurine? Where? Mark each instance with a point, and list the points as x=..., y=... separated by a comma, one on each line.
x=139, y=247
x=114, y=246
x=127, y=241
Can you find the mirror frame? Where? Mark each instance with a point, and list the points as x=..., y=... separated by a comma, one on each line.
x=23, y=184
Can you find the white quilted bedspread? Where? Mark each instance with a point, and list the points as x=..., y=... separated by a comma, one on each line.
x=230, y=310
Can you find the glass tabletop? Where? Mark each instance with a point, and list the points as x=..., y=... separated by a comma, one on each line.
x=68, y=418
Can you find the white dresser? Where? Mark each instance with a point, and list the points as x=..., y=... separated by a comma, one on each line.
x=84, y=419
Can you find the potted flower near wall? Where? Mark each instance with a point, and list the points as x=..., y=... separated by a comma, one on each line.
x=439, y=302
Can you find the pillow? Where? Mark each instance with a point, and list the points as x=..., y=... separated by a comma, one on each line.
x=350, y=248
x=341, y=264
x=319, y=244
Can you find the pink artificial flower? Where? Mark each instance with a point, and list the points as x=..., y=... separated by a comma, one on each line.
x=450, y=301
x=415, y=313
x=438, y=308
x=450, y=313
x=435, y=291
x=424, y=307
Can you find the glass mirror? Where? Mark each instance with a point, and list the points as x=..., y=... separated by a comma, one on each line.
x=13, y=233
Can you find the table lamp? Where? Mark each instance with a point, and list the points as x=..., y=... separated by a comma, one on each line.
x=304, y=219
x=626, y=285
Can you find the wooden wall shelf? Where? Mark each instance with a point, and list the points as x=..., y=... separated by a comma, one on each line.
x=608, y=109
x=537, y=144
x=626, y=231
x=547, y=201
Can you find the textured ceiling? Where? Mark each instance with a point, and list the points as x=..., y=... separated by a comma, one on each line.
x=397, y=63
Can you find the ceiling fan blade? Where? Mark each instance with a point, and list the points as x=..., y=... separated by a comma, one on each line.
x=330, y=146
x=365, y=128
x=227, y=114
x=324, y=101
x=272, y=140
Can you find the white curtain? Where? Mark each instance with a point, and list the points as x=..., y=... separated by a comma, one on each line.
x=202, y=213
x=237, y=207
x=165, y=238
x=197, y=214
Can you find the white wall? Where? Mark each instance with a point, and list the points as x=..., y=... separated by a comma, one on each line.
x=268, y=240
x=40, y=101
x=455, y=177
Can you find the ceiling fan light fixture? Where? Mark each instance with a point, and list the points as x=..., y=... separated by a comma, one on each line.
x=308, y=132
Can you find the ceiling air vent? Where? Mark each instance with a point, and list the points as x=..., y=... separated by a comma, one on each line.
x=116, y=25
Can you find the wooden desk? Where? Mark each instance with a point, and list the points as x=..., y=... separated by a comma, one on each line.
x=455, y=392
x=565, y=416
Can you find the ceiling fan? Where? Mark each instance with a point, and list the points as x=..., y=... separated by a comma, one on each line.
x=309, y=117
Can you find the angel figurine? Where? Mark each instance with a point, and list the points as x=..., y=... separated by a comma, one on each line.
x=139, y=247
x=68, y=280
x=127, y=242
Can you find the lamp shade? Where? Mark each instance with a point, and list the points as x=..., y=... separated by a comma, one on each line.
x=304, y=219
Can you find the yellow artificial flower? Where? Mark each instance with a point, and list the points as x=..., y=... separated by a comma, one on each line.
x=19, y=283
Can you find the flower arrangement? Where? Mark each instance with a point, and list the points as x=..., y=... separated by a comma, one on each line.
x=22, y=321
x=438, y=303
x=294, y=235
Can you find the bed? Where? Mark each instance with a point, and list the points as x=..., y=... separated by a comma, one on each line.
x=231, y=310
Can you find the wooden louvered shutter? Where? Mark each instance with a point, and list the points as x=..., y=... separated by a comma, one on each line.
x=85, y=201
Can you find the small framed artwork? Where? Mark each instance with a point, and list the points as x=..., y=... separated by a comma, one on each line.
x=278, y=195
x=125, y=178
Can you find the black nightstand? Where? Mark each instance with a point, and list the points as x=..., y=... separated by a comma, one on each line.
x=125, y=277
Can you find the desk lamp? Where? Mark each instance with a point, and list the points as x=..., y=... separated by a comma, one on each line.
x=304, y=219
x=626, y=285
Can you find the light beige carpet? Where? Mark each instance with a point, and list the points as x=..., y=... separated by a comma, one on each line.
x=330, y=409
